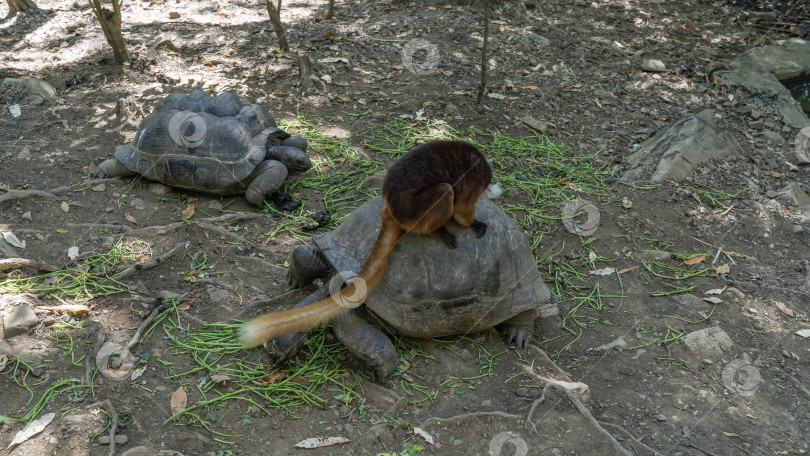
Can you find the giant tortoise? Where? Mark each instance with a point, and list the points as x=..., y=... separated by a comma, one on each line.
x=218, y=145
x=428, y=289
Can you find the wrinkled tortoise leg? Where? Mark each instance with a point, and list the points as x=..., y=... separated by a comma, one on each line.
x=367, y=343
x=113, y=168
x=307, y=263
x=285, y=347
x=518, y=329
x=270, y=174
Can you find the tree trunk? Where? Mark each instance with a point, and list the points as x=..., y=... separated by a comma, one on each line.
x=483, y=87
x=275, y=19
x=19, y=5
x=111, y=25
x=330, y=13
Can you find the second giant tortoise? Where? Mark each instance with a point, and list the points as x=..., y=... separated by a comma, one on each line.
x=428, y=289
x=219, y=145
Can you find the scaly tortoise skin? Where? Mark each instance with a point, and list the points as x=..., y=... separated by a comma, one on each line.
x=219, y=145
x=428, y=289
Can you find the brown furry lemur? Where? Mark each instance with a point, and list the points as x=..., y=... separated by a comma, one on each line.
x=428, y=186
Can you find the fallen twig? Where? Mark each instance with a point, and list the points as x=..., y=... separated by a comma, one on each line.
x=149, y=264
x=15, y=263
x=155, y=312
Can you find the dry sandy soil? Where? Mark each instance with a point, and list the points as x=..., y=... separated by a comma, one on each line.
x=646, y=388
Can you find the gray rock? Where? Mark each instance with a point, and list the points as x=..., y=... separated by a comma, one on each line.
x=708, y=343
x=678, y=148
x=138, y=451
x=656, y=255
x=33, y=91
x=159, y=189
x=798, y=229
x=99, y=188
x=27, y=216
x=759, y=70
x=652, y=65
x=120, y=439
x=539, y=39
x=4, y=347
x=773, y=137
x=19, y=320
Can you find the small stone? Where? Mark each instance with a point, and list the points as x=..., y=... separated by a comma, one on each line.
x=735, y=413
x=486, y=403
x=798, y=229
x=19, y=320
x=450, y=109
x=756, y=114
x=140, y=451
x=523, y=392
x=758, y=124
x=656, y=255
x=64, y=206
x=159, y=189
x=771, y=194
x=654, y=66
x=660, y=417
x=120, y=439
x=99, y=188
x=549, y=311
x=27, y=216
x=708, y=361
x=215, y=205
x=773, y=137
x=348, y=427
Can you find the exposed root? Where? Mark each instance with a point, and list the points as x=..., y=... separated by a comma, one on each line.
x=113, y=425
x=13, y=195
x=630, y=436
x=17, y=263
x=468, y=415
x=568, y=389
x=155, y=312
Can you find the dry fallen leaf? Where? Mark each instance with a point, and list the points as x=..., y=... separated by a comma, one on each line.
x=716, y=291
x=730, y=434
x=317, y=442
x=65, y=206
x=724, y=269
x=178, y=401
x=174, y=15
x=626, y=270
x=300, y=380
x=77, y=310
x=424, y=434
x=785, y=310
x=273, y=378
x=626, y=203
x=695, y=260
x=739, y=255
x=776, y=175
x=188, y=212
x=73, y=252
x=130, y=218
x=185, y=305
x=603, y=271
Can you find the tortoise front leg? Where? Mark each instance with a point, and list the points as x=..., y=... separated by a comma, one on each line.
x=285, y=347
x=518, y=329
x=270, y=174
x=307, y=263
x=367, y=343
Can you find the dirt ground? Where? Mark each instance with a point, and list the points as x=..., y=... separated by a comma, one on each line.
x=646, y=388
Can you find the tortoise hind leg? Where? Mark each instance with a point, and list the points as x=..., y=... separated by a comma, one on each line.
x=367, y=343
x=518, y=329
x=307, y=263
x=270, y=174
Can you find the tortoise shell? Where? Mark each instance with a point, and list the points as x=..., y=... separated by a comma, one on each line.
x=201, y=143
x=430, y=290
